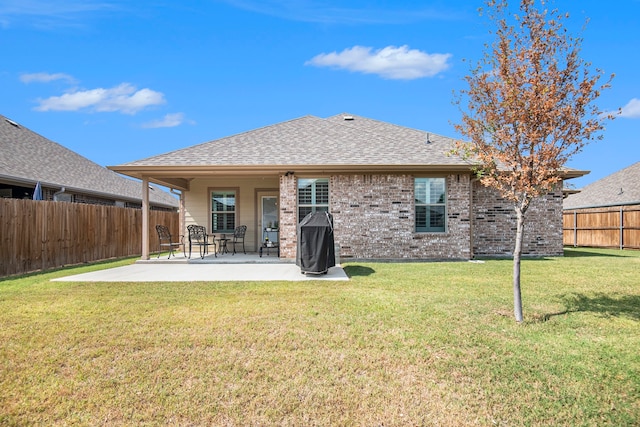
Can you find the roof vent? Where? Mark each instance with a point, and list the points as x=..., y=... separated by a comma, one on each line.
x=11, y=122
x=347, y=118
x=428, y=139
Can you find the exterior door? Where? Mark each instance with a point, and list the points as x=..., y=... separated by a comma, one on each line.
x=269, y=217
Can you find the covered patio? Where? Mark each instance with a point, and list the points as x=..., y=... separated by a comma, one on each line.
x=222, y=200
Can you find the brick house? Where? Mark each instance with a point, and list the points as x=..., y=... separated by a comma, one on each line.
x=394, y=192
x=27, y=158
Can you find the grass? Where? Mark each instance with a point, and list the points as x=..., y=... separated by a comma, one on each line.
x=399, y=344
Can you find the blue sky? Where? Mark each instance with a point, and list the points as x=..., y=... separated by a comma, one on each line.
x=118, y=81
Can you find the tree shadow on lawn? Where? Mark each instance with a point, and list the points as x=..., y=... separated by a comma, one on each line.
x=604, y=305
x=358, y=270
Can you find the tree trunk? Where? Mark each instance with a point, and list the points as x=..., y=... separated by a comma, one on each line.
x=517, y=253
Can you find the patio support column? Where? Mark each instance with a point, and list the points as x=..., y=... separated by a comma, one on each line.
x=181, y=215
x=145, y=218
x=288, y=224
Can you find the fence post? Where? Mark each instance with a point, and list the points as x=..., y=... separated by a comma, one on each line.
x=37, y=234
x=621, y=228
x=43, y=216
x=575, y=229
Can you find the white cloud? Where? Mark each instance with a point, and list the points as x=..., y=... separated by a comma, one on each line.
x=168, y=121
x=124, y=98
x=632, y=109
x=47, y=14
x=45, y=77
x=390, y=62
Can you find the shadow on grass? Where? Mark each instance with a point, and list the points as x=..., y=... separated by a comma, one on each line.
x=581, y=253
x=525, y=258
x=606, y=306
x=358, y=270
x=64, y=268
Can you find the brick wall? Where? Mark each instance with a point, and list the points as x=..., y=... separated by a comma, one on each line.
x=374, y=218
x=84, y=198
x=494, y=224
x=288, y=215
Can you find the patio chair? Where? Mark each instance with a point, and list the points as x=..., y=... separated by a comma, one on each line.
x=165, y=240
x=198, y=236
x=238, y=235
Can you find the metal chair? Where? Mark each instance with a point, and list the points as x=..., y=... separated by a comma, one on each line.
x=238, y=235
x=166, y=241
x=198, y=236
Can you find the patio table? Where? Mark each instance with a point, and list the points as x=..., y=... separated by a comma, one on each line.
x=223, y=239
x=268, y=246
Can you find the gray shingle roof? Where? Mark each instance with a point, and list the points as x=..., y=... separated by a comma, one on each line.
x=619, y=188
x=29, y=157
x=312, y=140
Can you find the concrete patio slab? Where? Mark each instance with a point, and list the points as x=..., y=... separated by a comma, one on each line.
x=211, y=272
x=239, y=258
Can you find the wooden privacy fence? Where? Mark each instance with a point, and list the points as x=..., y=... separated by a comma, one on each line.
x=617, y=227
x=39, y=235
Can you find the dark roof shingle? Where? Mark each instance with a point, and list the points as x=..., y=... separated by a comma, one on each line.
x=30, y=157
x=619, y=188
x=312, y=140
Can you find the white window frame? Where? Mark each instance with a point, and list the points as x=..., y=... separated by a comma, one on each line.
x=225, y=192
x=438, y=203
x=314, y=206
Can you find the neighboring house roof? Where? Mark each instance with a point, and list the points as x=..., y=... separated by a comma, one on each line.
x=26, y=158
x=617, y=189
x=311, y=144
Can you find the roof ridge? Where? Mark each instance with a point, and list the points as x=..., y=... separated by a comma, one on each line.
x=616, y=174
x=618, y=188
x=356, y=116
x=311, y=140
x=394, y=137
x=235, y=135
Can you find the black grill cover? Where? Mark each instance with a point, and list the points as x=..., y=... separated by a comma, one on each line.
x=316, y=253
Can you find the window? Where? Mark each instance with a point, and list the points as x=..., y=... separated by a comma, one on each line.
x=223, y=211
x=431, y=205
x=313, y=196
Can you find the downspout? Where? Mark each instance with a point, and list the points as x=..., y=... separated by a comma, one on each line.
x=180, y=194
x=471, y=216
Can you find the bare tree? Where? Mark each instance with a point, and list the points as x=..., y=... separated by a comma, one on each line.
x=530, y=109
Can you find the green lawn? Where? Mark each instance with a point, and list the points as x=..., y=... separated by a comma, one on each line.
x=407, y=344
